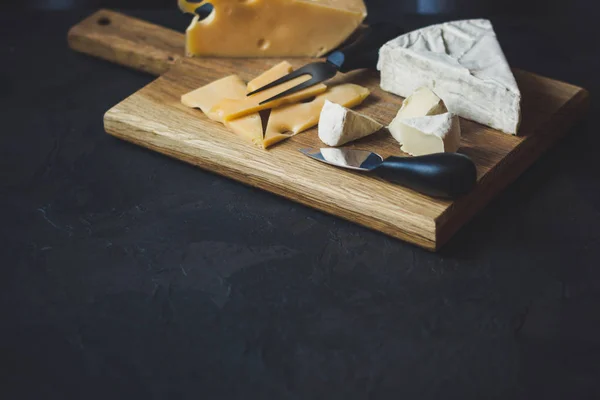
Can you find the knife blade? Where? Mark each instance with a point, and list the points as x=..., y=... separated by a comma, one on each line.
x=443, y=175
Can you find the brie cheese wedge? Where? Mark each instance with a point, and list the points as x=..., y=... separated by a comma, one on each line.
x=423, y=125
x=461, y=61
x=339, y=125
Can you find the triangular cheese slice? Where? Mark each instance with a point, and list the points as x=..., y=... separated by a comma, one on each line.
x=232, y=87
x=271, y=28
x=461, y=61
x=339, y=125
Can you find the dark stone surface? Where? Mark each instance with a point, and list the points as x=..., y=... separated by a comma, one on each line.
x=125, y=273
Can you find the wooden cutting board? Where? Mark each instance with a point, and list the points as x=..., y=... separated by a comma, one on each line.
x=154, y=118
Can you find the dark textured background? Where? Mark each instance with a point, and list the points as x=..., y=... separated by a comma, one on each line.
x=125, y=274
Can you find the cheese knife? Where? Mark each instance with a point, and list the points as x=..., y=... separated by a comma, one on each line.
x=443, y=175
x=361, y=53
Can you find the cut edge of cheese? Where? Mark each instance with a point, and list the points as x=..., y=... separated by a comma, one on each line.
x=290, y=120
x=422, y=102
x=339, y=125
x=419, y=136
x=272, y=28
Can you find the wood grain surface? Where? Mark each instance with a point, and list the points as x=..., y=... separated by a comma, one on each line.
x=127, y=41
x=155, y=118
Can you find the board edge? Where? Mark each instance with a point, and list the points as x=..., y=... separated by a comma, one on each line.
x=114, y=126
x=511, y=167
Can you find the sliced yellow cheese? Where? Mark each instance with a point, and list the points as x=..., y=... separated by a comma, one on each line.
x=272, y=28
x=229, y=109
x=290, y=120
x=232, y=87
x=285, y=121
x=204, y=98
x=281, y=69
x=250, y=127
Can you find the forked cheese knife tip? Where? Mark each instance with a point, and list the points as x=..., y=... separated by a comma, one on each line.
x=362, y=53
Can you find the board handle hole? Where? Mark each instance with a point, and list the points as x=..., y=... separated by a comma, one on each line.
x=103, y=21
x=263, y=44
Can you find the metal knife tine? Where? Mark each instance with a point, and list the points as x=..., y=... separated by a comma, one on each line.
x=306, y=70
x=297, y=88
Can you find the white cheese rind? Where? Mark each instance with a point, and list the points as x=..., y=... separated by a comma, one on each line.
x=463, y=63
x=339, y=125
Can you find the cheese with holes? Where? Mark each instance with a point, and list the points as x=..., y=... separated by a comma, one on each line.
x=271, y=28
x=229, y=109
x=339, y=125
x=232, y=87
x=290, y=120
x=423, y=125
x=462, y=61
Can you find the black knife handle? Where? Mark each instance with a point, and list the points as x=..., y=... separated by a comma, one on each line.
x=444, y=175
x=364, y=51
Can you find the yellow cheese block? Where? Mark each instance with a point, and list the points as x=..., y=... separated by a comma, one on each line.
x=287, y=121
x=232, y=87
x=229, y=109
x=272, y=28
